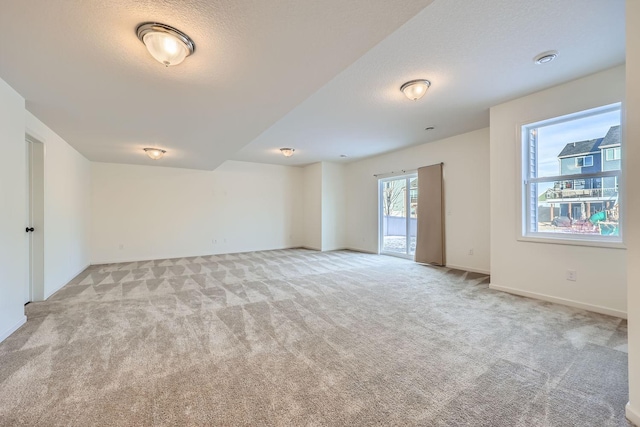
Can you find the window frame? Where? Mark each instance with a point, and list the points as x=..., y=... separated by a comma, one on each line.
x=584, y=161
x=616, y=154
x=524, y=232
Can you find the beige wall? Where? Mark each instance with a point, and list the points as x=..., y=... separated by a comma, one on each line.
x=312, y=206
x=66, y=204
x=539, y=269
x=466, y=194
x=150, y=212
x=334, y=206
x=632, y=180
x=67, y=187
x=13, y=215
x=325, y=206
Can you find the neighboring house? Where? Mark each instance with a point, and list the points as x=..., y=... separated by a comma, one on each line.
x=579, y=198
x=611, y=157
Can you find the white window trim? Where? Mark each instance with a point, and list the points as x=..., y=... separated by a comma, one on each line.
x=575, y=240
x=617, y=242
x=584, y=161
x=613, y=151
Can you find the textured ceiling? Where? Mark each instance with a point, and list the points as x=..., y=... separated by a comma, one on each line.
x=476, y=53
x=84, y=73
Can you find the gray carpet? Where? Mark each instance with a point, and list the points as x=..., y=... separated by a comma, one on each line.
x=296, y=337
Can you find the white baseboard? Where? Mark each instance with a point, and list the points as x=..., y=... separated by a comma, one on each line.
x=4, y=335
x=48, y=294
x=145, y=259
x=363, y=251
x=311, y=248
x=335, y=249
x=562, y=301
x=473, y=270
x=632, y=414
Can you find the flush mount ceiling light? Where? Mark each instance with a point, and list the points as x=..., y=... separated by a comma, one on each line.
x=154, y=153
x=287, y=152
x=415, y=89
x=546, y=57
x=166, y=44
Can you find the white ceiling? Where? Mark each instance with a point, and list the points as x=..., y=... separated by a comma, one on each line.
x=84, y=73
x=322, y=77
x=477, y=54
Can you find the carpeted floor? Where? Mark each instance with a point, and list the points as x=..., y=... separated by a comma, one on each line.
x=296, y=338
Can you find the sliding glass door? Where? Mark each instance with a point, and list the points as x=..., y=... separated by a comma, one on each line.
x=398, y=201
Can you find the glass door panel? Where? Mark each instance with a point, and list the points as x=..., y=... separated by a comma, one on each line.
x=394, y=217
x=398, y=204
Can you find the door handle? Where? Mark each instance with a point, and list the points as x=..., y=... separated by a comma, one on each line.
x=29, y=229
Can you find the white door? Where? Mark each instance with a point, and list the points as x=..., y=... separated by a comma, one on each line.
x=35, y=227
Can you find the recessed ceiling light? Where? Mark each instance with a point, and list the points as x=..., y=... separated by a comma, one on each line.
x=168, y=45
x=546, y=57
x=287, y=152
x=429, y=128
x=415, y=89
x=154, y=153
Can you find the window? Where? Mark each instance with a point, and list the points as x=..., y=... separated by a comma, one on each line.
x=569, y=191
x=584, y=161
x=612, y=154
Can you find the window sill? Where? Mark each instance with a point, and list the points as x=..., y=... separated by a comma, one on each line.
x=608, y=244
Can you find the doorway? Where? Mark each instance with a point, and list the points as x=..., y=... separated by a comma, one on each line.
x=35, y=227
x=398, y=204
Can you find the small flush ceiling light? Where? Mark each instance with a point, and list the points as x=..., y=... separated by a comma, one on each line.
x=287, y=152
x=154, y=153
x=546, y=57
x=166, y=44
x=415, y=89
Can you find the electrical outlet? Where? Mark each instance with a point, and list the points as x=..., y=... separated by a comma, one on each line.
x=470, y=251
x=572, y=275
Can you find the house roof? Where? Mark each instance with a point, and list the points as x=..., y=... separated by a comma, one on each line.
x=580, y=148
x=612, y=138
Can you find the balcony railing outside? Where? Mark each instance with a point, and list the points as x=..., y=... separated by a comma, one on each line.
x=571, y=193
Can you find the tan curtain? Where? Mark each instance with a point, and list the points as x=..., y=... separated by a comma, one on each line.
x=430, y=240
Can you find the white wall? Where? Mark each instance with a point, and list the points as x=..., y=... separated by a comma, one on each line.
x=67, y=176
x=539, y=269
x=312, y=206
x=631, y=136
x=13, y=212
x=466, y=189
x=150, y=212
x=334, y=206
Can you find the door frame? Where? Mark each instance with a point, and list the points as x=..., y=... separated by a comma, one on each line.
x=35, y=211
x=407, y=201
